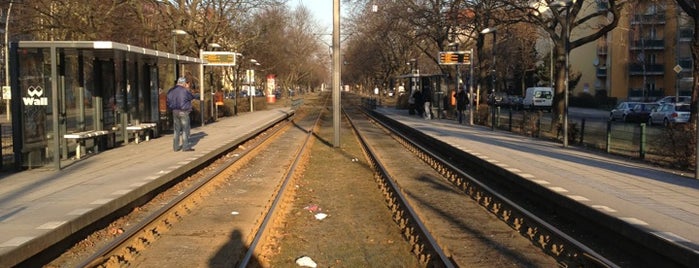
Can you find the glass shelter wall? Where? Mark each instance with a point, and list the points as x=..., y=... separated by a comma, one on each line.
x=35, y=124
x=80, y=87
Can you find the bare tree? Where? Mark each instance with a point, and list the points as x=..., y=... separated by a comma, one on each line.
x=285, y=43
x=690, y=7
x=595, y=23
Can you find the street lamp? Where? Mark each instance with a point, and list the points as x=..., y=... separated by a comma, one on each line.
x=251, y=81
x=214, y=111
x=7, y=59
x=415, y=80
x=237, y=83
x=175, y=33
x=492, y=30
x=566, y=5
x=455, y=47
x=213, y=46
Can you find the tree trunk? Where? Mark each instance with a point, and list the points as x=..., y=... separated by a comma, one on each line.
x=559, y=95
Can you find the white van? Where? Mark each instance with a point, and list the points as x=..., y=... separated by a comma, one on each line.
x=538, y=98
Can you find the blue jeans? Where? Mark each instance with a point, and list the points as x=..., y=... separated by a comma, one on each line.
x=181, y=126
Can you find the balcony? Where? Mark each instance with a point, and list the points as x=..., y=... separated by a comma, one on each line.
x=648, y=44
x=602, y=50
x=686, y=34
x=602, y=71
x=686, y=64
x=657, y=18
x=651, y=69
x=639, y=94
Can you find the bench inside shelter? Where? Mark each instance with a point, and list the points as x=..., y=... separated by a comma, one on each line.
x=145, y=129
x=80, y=138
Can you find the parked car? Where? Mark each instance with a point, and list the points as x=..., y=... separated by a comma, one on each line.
x=538, y=98
x=497, y=98
x=673, y=99
x=621, y=111
x=669, y=113
x=514, y=102
x=640, y=112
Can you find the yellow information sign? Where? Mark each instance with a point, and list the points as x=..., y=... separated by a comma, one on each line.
x=454, y=57
x=218, y=58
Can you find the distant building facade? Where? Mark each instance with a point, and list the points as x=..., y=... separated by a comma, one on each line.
x=645, y=58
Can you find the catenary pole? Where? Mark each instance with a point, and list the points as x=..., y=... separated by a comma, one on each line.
x=336, y=73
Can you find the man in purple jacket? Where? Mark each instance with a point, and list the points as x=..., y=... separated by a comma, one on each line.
x=179, y=100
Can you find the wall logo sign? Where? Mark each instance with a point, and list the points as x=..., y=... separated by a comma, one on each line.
x=36, y=97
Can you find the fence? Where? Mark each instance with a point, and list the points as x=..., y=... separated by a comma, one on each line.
x=671, y=146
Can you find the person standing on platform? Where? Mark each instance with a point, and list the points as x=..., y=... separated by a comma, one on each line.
x=427, y=102
x=179, y=100
x=461, y=101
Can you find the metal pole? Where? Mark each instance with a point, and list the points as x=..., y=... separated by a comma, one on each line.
x=492, y=126
x=201, y=88
x=470, y=93
x=174, y=51
x=336, y=73
x=235, y=89
x=567, y=71
x=7, y=59
x=552, y=83
x=458, y=78
x=250, y=88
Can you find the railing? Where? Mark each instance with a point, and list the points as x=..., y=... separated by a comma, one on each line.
x=650, y=69
x=602, y=71
x=666, y=146
x=657, y=18
x=655, y=44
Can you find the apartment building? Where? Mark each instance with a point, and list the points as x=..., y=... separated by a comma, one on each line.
x=645, y=58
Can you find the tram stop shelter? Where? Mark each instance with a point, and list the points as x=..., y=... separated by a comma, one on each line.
x=433, y=85
x=69, y=98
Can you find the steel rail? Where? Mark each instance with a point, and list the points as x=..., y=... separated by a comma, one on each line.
x=426, y=246
x=555, y=242
x=109, y=252
x=269, y=216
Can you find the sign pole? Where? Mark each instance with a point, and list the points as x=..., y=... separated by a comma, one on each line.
x=470, y=94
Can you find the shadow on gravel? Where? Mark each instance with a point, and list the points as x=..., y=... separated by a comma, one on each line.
x=230, y=254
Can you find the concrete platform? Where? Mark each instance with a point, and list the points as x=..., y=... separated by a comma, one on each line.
x=40, y=207
x=661, y=202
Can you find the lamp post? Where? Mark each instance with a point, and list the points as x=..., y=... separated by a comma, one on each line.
x=214, y=111
x=492, y=30
x=175, y=33
x=7, y=59
x=455, y=46
x=566, y=5
x=415, y=80
x=237, y=83
x=251, y=81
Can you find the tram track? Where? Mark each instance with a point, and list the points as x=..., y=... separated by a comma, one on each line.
x=427, y=249
x=565, y=249
x=573, y=234
x=446, y=215
x=126, y=247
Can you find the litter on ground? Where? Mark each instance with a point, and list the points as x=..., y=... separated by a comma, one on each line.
x=306, y=261
x=321, y=216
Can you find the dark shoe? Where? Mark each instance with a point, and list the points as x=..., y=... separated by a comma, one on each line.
x=188, y=150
